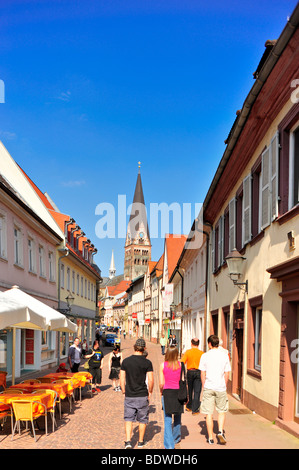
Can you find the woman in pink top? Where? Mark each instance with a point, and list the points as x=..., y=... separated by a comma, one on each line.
x=170, y=372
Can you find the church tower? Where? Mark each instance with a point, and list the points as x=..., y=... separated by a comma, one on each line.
x=138, y=243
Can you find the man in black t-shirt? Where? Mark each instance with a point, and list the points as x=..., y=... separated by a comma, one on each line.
x=135, y=370
x=95, y=356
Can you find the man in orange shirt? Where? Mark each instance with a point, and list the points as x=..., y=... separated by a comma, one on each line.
x=192, y=358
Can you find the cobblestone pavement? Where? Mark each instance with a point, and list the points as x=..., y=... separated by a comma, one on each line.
x=97, y=422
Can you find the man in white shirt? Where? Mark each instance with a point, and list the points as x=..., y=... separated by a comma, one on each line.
x=215, y=368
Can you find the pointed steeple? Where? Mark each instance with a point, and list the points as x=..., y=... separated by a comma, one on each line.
x=138, y=243
x=138, y=218
x=112, y=269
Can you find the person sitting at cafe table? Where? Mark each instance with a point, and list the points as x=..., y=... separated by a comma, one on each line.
x=62, y=368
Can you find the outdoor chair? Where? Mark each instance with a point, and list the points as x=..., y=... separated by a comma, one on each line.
x=70, y=395
x=9, y=391
x=51, y=409
x=3, y=379
x=30, y=381
x=7, y=413
x=88, y=384
x=46, y=380
x=23, y=411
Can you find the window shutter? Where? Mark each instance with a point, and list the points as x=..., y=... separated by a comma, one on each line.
x=232, y=225
x=213, y=251
x=265, y=206
x=220, y=241
x=274, y=146
x=246, y=232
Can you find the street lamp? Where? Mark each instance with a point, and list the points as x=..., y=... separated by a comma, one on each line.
x=235, y=262
x=70, y=300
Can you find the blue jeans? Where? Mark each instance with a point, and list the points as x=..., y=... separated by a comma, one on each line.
x=172, y=434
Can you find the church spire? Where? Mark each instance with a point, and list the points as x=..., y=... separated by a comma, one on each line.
x=112, y=269
x=138, y=218
x=138, y=244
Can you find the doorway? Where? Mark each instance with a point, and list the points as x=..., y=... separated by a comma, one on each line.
x=238, y=338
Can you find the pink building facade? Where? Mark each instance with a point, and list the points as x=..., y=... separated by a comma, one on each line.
x=28, y=248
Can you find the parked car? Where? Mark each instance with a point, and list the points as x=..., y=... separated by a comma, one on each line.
x=111, y=339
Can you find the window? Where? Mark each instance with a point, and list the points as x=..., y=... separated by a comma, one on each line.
x=81, y=286
x=62, y=276
x=85, y=294
x=68, y=279
x=18, y=246
x=257, y=338
x=78, y=284
x=88, y=290
x=41, y=261
x=294, y=168
x=246, y=210
x=31, y=255
x=232, y=224
x=51, y=267
x=255, y=320
x=269, y=183
x=256, y=197
x=73, y=281
x=3, y=250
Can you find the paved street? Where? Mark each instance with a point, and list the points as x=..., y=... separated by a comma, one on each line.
x=97, y=423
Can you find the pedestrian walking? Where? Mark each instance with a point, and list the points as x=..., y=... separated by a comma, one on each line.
x=215, y=368
x=74, y=355
x=115, y=360
x=191, y=359
x=163, y=343
x=135, y=369
x=124, y=333
x=84, y=347
x=169, y=378
x=95, y=358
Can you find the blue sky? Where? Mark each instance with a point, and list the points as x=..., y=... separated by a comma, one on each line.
x=93, y=87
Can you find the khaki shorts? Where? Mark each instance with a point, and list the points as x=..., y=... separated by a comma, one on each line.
x=212, y=399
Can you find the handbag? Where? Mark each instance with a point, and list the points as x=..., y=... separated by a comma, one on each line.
x=182, y=394
x=86, y=365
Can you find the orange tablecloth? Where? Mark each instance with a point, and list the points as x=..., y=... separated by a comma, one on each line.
x=61, y=389
x=44, y=398
x=78, y=379
x=4, y=408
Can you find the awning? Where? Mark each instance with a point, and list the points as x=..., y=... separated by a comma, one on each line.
x=54, y=320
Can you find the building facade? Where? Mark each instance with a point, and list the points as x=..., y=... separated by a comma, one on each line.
x=252, y=205
x=29, y=239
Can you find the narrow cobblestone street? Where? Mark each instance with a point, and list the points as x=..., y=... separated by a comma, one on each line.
x=97, y=422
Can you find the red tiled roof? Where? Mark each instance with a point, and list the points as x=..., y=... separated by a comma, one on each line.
x=159, y=266
x=60, y=219
x=122, y=286
x=38, y=191
x=151, y=265
x=174, y=247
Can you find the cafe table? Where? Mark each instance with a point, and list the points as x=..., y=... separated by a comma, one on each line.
x=60, y=388
x=43, y=399
x=78, y=379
